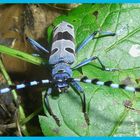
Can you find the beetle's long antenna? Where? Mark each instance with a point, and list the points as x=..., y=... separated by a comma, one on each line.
x=24, y=85
x=106, y=83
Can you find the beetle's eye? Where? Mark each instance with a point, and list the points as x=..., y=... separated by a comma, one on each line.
x=54, y=51
x=69, y=50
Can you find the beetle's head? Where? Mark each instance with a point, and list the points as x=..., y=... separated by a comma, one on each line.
x=61, y=72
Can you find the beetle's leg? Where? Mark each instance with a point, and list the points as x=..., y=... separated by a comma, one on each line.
x=78, y=89
x=39, y=48
x=87, y=61
x=93, y=36
x=48, y=107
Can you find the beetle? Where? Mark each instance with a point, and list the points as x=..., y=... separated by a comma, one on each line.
x=62, y=56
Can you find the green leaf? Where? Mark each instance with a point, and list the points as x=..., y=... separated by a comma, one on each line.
x=107, y=114
x=21, y=55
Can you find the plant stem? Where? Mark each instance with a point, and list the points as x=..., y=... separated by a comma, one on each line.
x=22, y=55
x=15, y=96
x=32, y=115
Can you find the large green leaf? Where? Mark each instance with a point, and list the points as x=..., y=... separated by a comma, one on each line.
x=106, y=111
